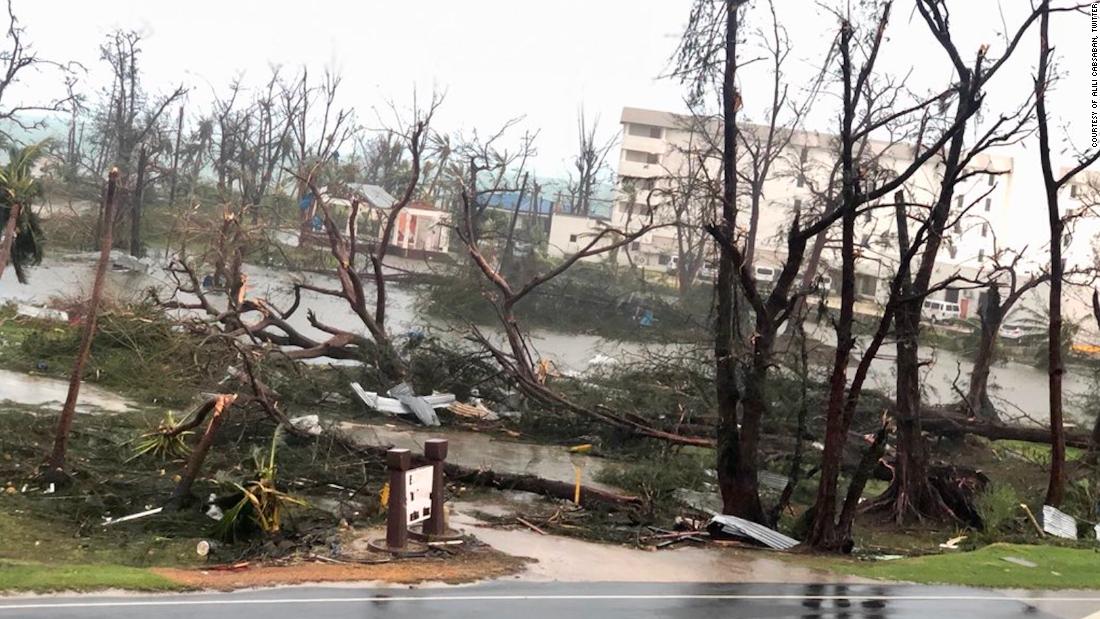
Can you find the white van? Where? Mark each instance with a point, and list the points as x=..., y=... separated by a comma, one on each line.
x=937, y=310
x=766, y=274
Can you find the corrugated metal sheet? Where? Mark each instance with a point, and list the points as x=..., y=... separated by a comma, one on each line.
x=375, y=195
x=1059, y=524
x=739, y=527
x=772, y=481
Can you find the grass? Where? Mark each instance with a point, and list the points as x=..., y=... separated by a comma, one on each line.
x=1056, y=568
x=1034, y=452
x=37, y=577
x=56, y=541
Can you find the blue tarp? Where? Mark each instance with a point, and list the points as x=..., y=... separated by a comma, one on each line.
x=507, y=200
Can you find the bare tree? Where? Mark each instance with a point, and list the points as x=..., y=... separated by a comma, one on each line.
x=1052, y=184
x=273, y=327
x=589, y=164
x=55, y=466
x=130, y=123
x=18, y=58
x=1005, y=274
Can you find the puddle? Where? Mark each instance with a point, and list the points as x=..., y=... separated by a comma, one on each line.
x=572, y=560
x=39, y=391
x=477, y=450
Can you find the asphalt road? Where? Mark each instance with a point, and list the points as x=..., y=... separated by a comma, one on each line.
x=507, y=600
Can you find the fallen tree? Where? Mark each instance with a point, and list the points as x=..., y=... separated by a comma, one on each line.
x=590, y=497
x=939, y=421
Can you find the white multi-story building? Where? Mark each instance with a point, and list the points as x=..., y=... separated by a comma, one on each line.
x=660, y=153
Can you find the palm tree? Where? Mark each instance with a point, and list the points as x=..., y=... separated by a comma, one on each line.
x=21, y=236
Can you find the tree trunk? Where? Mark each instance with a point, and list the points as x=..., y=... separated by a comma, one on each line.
x=945, y=424
x=910, y=492
x=138, y=198
x=992, y=313
x=176, y=162
x=182, y=493
x=824, y=532
x=7, y=237
x=56, y=463
x=1056, y=487
x=754, y=407
x=740, y=495
x=509, y=244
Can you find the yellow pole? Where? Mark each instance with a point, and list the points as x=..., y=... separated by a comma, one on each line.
x=577, y=487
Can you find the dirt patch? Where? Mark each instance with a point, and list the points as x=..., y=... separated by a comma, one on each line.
x=468, y=566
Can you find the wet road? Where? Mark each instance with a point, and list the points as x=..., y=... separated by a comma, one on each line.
x=554, y=600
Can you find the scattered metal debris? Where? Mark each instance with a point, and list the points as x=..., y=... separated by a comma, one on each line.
x=739, y=527
x=403, y=402
x=144, y=514
x=44, y=313
x=310, y=424
x=772, y=481
x=1059, y=523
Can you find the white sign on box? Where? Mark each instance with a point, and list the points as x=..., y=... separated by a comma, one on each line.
x=418, y=494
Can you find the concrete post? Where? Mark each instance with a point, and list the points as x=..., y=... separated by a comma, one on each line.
x=398, y=461
x=435, y=450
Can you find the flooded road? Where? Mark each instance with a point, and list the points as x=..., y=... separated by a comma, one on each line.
x=1025, y=387
x=484, y=451
x=40, y=391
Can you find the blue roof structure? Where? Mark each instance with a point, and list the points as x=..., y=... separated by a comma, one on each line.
x=507, y=200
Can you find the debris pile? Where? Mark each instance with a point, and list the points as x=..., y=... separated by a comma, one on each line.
x=402, y=401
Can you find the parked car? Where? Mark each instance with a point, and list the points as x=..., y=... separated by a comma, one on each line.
x=937, y=310
x=673, y=265
x=1016, y=331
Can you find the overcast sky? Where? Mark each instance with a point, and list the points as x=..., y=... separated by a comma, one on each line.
x=499, y=59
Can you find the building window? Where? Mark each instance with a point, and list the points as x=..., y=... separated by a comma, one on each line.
x=1073, y=190
x=637, y=183
x=981, y=255
x=988, y=204
x=958, y=228
x=797, y=205
x=985, y=230
x=951, y=251
x=866, y=285
x=959, y=201
x=572, y=238
x=638, y=156
x=800, y=180
x=635, y=246
x=867, y=216
x=992, y=180
x=804, y=154
x=645, y=131
x=951, y=295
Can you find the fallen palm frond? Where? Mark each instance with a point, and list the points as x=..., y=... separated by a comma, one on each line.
x=166, y=441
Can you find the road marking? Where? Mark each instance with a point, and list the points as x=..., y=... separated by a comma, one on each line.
x=536, y=597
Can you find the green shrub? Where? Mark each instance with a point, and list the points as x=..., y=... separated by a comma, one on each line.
x=998, y=507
